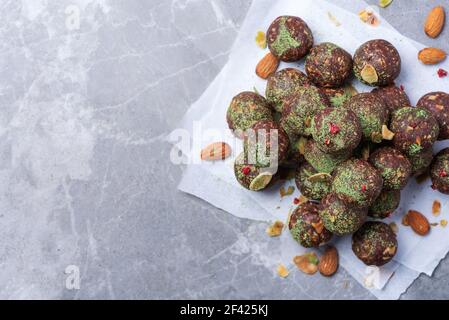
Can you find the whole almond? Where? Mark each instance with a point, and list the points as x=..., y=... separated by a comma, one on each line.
x=434, y=22
x=418, y=222
x=268, y=65
x=329, y=262
x=431, y=55
x=216, y=151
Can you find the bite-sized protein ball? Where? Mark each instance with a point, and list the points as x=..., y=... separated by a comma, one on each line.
x=338, y=97
x=311, y=183
x=300, y=109
x=245, y=110
x=336, y=130
x=281, y=84
x=377, y=63
x=393, y=97
x=439, y=171
x=421, y=161
x=357, y=183
x=438, y=104
x=385, y=204
x=289, y=38
x=393, y=166
x=307, y=227
x=322, y=161
x=415, y=129
x=372, y=114
x=339, y=217
x=251, y=176
x=266, y=144
x=374, y=243
x=328, y=65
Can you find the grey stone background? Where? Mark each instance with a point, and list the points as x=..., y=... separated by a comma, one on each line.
x=85, y=177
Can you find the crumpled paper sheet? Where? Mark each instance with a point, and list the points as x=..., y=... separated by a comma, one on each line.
x=215, y=182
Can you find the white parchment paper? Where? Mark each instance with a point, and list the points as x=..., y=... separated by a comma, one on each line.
x=215, y=182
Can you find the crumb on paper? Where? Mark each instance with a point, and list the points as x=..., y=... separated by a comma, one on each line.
x=434, y=224
x=405, y=220
x=443, y=223
x=283, y=192
x=394, y=227
x=384, y=3
x=282, y=271
x=436, y=208
x=369, y=17
x=261, y=40
x=333, y=19
x=275, y=229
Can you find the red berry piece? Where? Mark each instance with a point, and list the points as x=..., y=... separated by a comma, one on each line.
x=246, y=170
x=442, y=73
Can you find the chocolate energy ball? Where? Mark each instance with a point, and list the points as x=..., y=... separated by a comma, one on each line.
x=439, y=171
x=339, y=217
x=266, y=144
x=385, y=204
x=393, y=166
x=245, y=110
x=322, y=161
x=415, y=129
x=289, y=38
x=438, y=104
x=307, y=227
x=421, y=161
x=312, y=184
x=372, y=114
x=394, y=98
x=336, y=130
x=357, y=183
x=377, y=63
x=300, y=109
x=374, y=243
x=282, y=84
x=338, y=97
x=328, y=65
x=251, y=176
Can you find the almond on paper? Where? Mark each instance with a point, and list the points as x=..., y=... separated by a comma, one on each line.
x=431, y=55
x=268, y=65
x=328, y=264
x=435, y=22
x=418, y=222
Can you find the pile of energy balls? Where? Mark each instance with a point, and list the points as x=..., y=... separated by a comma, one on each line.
x=353, y=153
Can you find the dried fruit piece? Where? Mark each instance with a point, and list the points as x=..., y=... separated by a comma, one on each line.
x=261, y=181
x=282, y=271
x=216, y=151
x=328, y=264
x=267, y=65
x=431, y=55
x=287, y=192
x=320, y=177
x=435, y=22
x=307, y=263
x=369, y=74
x=443, y=223
x=369, y=17
x=442, y=73
x=261, y=39
x=394, y=227
x=386, y=133
x=275, y=229
x=384, y=3
x=434, y=224
x=333, y=19
x=418, y=222
x=436, y=208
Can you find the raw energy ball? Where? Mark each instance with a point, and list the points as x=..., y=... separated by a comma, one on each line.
x=374, y=243
x=300, y=109
x=439, y=171
x=421, y=161
x=394, y=98
x=357, y=183
x=372, y=114
x=311, y=183
x=282, y=84
x=384, y=206
x=261, y=143
x=307, y=227
x=328, y=65
x=336, y=130
x=377, y=63
x=245, y=110
x=415, y=129
x=438, y=104
x=339, y=217
x=289, y=38
x=322, y=161
x=250, y=176
x=393, y=166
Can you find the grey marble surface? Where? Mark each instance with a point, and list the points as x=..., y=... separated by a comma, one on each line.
x=86, y=184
